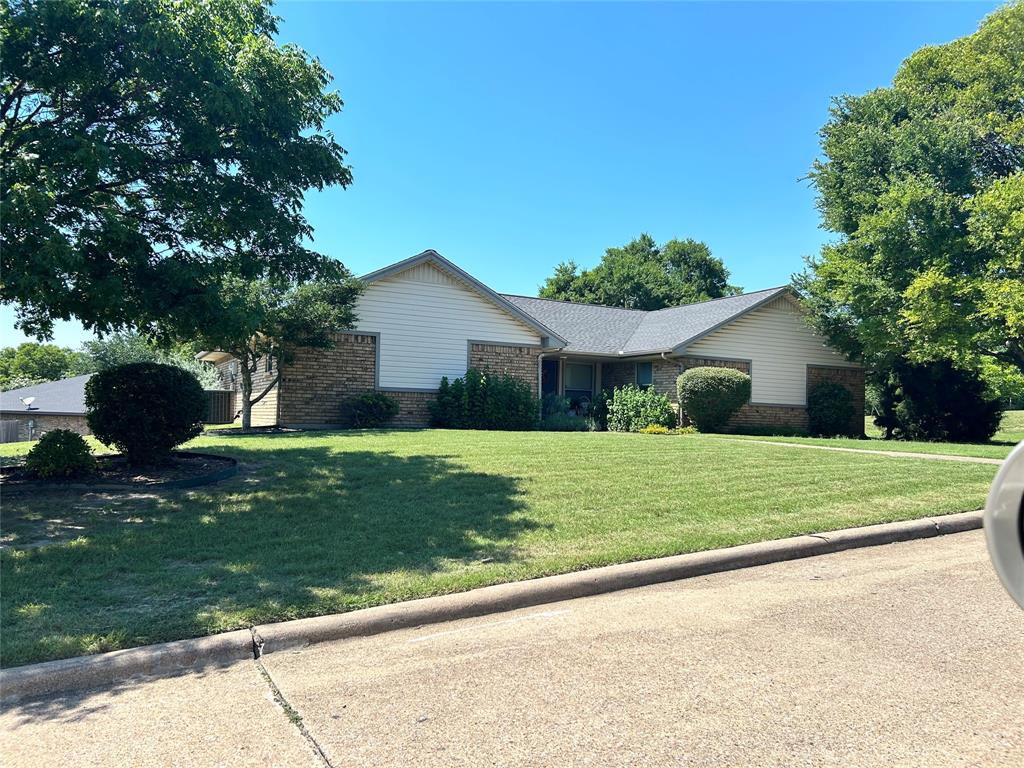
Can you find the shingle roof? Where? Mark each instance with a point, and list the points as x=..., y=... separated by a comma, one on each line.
x=66, y=396
x=611, y=330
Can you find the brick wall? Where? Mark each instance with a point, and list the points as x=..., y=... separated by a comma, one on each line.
x=616, y=375
x=316, y=381
x=41, y=423
x=517, y=361
x=412, y=408
x=852, y=379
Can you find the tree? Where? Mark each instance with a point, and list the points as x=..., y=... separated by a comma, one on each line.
x=31, y=363
x=642, y=275
x=265, y=318
x=924, y=184
x=126, y=347
x=150, y=148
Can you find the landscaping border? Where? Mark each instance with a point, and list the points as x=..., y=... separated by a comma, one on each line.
x=54, y=677
x=189, y=482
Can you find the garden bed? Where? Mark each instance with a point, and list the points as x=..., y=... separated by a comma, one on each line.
x=183, y=470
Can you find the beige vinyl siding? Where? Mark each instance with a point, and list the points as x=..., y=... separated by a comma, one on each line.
x=425, y=319
x=779, y=344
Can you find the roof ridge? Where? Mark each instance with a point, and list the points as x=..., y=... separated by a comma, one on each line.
x=721, y=298
x=576, y=303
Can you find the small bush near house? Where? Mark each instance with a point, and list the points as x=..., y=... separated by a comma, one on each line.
x=60, y=453
x=484, y=400
x=631, y=409
x=564, y=422
x=830, y=410
x=554, y=405
x=145, y=410
x=369, y=410
x=710, y=396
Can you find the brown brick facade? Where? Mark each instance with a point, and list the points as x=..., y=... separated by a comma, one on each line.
x=616, y=375
x=413, y=408
x=33, y=426
x=517, y=361
x=316, y=381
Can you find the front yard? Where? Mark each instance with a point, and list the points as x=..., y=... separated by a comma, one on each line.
x=325, y=522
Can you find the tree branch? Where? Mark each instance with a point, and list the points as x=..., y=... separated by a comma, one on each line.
x=263, y=394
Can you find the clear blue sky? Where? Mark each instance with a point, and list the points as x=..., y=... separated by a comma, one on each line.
x=510, y=137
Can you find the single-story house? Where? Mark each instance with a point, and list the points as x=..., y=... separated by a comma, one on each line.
x=424, y=318
x=28, y=412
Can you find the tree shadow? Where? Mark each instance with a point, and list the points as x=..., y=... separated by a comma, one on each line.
x=303, y=531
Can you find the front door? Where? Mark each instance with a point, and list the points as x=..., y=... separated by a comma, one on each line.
x=549, y=377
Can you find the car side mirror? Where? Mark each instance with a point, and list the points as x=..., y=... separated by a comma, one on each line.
x=1004, y=524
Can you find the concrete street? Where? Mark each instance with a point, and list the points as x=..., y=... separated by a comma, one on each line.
x=903, y=655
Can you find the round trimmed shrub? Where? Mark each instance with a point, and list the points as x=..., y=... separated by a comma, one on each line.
x=369, y=410
x=145, y=410
x=830, y=410
x=632, y=409
x=60, y=453
x=710, y=396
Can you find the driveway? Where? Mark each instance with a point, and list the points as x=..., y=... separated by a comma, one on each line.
x=903, y=655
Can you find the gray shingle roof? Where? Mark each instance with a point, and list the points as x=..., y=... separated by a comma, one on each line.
x=66, y=396
x=612, y=330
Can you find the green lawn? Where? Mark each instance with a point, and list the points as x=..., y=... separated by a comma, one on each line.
x=325, y=522
x=1011, y=431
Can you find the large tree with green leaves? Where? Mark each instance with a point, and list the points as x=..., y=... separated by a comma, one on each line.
x=644, y=275
x=270, y=320
x=149, y=148
x=923, y=182
x=31, y=363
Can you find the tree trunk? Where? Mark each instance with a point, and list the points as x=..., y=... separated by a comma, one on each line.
x=246, y=397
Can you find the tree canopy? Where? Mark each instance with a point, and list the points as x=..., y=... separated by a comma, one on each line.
x=924, y=183
x=644, y=275
x=263, y=319
x=150, y=148
x=30, y=363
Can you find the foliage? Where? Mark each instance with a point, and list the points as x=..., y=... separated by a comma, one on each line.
x=655, y=429
x=599, y=409
x=830, y=410
x=936, y=401
x=126, y=347
x=149, y=149
x=484, y=400
x=261, y=319
x=631, y=409
x=145, y=410
x=30, y=363
x=369, y=410
x=710, y=396
x=554, y=405
x=60, y=453
x=643, y=275
x=1004, y=382
x=924, y=184
x=564, y=422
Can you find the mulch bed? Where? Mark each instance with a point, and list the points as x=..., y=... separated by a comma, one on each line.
x=237, y=432
x=183, y=470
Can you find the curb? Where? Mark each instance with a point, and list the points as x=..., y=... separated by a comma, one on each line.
x=106, y=669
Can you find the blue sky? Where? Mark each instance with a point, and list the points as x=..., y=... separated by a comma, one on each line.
x=510, y=137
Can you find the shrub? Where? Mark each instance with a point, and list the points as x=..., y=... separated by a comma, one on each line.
x=564, y=422
x=631, y=409
x=60, y=453
x=145, y=410
x=711, y=396
x=655, y=429
x=830, y=410
x=484, y=401
x=369, y=410
x=599, y=410
x=554, y=405
x=935, y=401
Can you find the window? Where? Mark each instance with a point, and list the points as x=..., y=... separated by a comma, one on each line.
x=269, y=364
x=579, y=378
x=644, y=375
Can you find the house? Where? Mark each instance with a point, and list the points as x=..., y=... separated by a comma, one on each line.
x=29, y=411
x=424, y=318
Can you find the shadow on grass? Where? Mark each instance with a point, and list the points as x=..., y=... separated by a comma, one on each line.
x=304, y=531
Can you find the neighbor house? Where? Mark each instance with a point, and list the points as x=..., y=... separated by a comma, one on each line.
x=424, y=318
x=28, y=412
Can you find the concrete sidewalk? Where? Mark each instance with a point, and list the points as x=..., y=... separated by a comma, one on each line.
x=907, y=654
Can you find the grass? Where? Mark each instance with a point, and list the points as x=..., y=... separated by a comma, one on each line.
x=1011, y=432
x=325, y=522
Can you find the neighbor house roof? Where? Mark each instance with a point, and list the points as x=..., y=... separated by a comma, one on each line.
x=65, y=397
x=595, y=329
